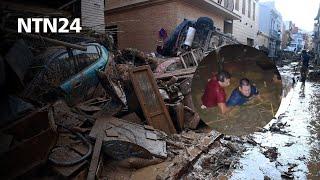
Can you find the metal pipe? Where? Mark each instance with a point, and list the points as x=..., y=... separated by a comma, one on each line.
x=50, y=40
x=72, y=162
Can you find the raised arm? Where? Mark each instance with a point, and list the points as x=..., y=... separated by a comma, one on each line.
x=223, y=108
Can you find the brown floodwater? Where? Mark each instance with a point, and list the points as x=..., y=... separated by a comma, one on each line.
x=299, y=147
x=241, y=62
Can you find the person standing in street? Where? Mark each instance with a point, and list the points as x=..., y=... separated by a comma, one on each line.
x=305, y=58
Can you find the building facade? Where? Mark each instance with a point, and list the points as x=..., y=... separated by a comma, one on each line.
x=316, y=37
x=245, y=30
x=293, y=38
x=308, y=42
x=286, y=34
x=137, y=23
x=298, y=41
x=92, y=14
x=270, y=26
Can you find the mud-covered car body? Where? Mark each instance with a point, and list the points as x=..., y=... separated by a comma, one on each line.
x=68, y=72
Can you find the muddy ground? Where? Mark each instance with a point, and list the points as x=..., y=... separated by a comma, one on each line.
x=291, y=149
x=286, y=148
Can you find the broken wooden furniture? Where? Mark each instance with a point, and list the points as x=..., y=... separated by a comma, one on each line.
x=191, y=58
x=29, y=141
x=179, y=92
x=181, y=73
x=122, y=139
x=150, y=99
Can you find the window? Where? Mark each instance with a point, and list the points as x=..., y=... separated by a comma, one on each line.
x=84, y=59
x=243, y=6
x=227, y=27
x=237, y=5
x=250, y=42
x=60, y=68
x=64, y=66
x=254, y=11
x=249, y=8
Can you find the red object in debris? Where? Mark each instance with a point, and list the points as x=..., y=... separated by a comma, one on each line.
x=213, y=93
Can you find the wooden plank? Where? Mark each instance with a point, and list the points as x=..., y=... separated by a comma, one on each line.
x=150, y=99
x=98, y=130
x=177, y=73
x=183, y=62
x=95, y=158
x=180, y=115
x=191, y=119
x=194, y=58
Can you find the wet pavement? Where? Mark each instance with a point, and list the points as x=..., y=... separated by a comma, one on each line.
x=290, y=147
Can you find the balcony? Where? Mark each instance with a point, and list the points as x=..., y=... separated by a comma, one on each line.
x=221, y=8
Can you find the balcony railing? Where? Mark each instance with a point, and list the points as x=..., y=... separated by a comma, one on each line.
x=228, y=4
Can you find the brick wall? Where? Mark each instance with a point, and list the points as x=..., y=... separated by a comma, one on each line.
x=119, y=3
x=138, y=27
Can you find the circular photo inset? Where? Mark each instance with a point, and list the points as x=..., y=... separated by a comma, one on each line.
x=236, y=89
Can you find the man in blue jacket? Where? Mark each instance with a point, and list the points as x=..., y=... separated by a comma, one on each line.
x=242, y=94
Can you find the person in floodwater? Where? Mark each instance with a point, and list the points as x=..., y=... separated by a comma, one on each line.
x=214, y=94
x=305, y=65
x=276, y=77
x=276, y=84
x=242, y=94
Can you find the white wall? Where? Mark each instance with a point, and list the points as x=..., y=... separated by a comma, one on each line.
x=92, y=14
x=247, y=27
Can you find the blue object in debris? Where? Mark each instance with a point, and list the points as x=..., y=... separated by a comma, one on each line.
x=86, y=80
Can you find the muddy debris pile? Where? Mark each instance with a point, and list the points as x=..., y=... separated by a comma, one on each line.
x=219, y=160
x=82, y=111
x=314, y=75
x=73, y=106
